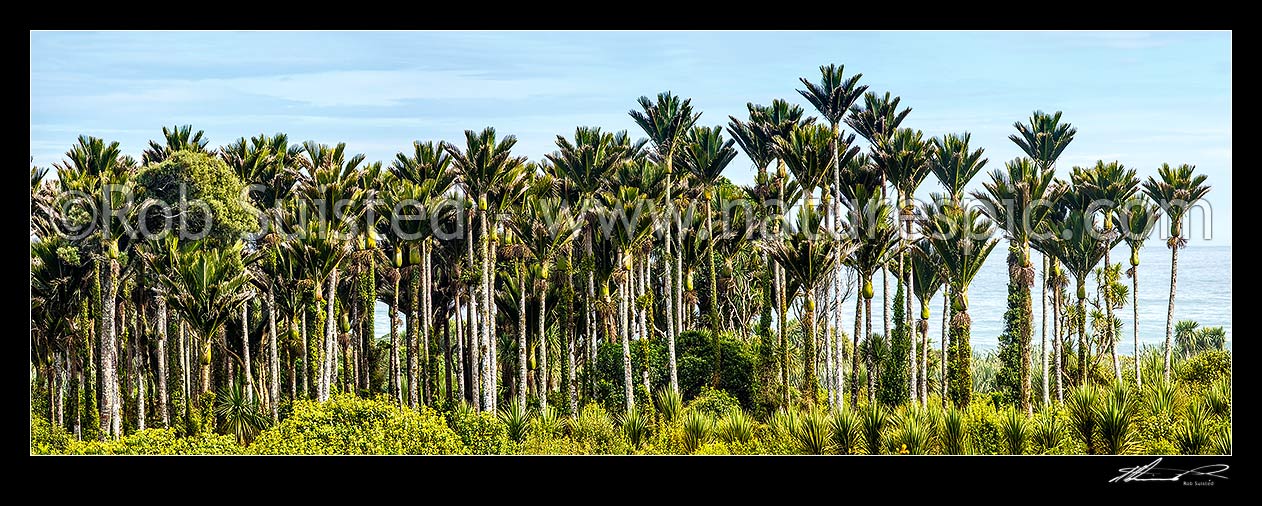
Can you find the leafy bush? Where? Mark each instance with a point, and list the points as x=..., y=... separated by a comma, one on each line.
x=715, y=448
x=482, y=433
x=238, y=414
x=46, y=438
x=1218, y=398
x=914, y=432
x=714, y=403
x=846, y=431
x=594, y=431
x=1192, y=436
x=349, y=425
x=610, y=387
x=1161, y=398
x=158, y=442
x=1203, y=369
x=695, y=359
x=985, y=434
x=1222, y=441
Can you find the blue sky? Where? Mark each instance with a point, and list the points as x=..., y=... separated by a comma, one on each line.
x=1141, y=98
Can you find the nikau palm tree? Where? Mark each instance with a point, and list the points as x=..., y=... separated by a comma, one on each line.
x=1138, y=216
x=1176, y=192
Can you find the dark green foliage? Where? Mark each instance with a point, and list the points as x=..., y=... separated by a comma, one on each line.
x=736, y=428
x=1046, y=432
x=954, y=435
x=1218, y=398
x=1203, y=369
x=609, y=373
x=668, y=403
x=698, y=427
x=1192, y=436
x=1222, y=441
x=188, y=176
x=915, y=430
x=892, y=388
x=846, y=431
x=1115, y=420
x=239, y=415
x=695, y=358
x=634, y=427
x=1016, y=326
x=1081, y=404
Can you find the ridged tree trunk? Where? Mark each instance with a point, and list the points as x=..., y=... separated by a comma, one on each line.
x=490, y=372
x=644, y=321
x=942, y=362
x=1043, y=330
x=672, y=324
x=809, y=381
x=911, y=290
x=1057, y=343
x=111, y=416
x=273, y=352
x=871, y=358
x=330, y=337
x=459, y=354
x=1108, y=315
x=485, y=364
x=160, y=304
x=427, y=322
x=628, y=388
x=542, y=343
x=306, y=352
x=783, y=309
x=1174, y=277
x=923, y=384
x=521, y=337
x=1139, y=381
x=368, y=325
x=961, y=387
x=448, y=363
x=714, y=292
x=1082, y=334
x=885, y=303
x=245, y=350
x=414, y=339
x=1027, y=332
x=854, y=351
x=396, y=390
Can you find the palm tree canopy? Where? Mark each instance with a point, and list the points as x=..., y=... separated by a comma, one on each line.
x=484, y=164
x=706, y=154
x=834, y=94
x=665, y=121
x=808, y=154
x=877, y=116
x=1176, y=192
x=1073, y=238
x=205, y=285
x=546, y=226
x=1044, y=137
x=953, y=163
x=1018, y=197
x=927, y=270
x=805, y=250
x=870, y=225
x=750, y=138
x=429, y=160
x=1107, y=185
x=905, y=156
x=177, y=138
x=963, y=238
x=1138, y=217
x=588, y=160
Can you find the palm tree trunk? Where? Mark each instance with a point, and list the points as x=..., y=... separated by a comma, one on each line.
x=110, y=413
x=330, y=337
x=491, y=376
x=1043, y=329
x=396, y=390
x=427, y=323
x=1174, y=276
x=521, y=336
x=924, y=360
x=1026, y=331
x=911, y=290
x=458, y=355
x=1108, y=314
x=414, y=340
x=942, y=362
x=1082, y=335
x=782, y=306
x=485, y=364
x=542, y=343
x=273, y=351
x=1057, y=343
x=961, y=378
x=245, y=350
x=161, y=309
x=871, y=359
x=628, y=389
x=669, y=285
x=809, y=382
x=714, y=292
x=885, y=303
x=854, y=351
x=644, y=320
x=306, y=354
x=447, y=355
x=1139, y=382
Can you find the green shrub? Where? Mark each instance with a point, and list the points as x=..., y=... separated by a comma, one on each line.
x=1015, y=431
x=669, y=403
x=1203, y=369
x=1115, y=420
x=814, y=432
x=698, y=427
x=715, y=448
x=984, y=430
x=714, y=403
x=1046, y=431
x=1222, y=441
x=516, y=420
x=1161, y=398
x=954, y=432
x=1218, y=397
x=634, y=427
x=610, y=379
x=482, y=433
x=158, y=442
x=349, y=425
x=846, y=431
x=238, y=414
x=915, y=428
x=736, y=428
x=46, y=438
x=1082, y=419
x=695, y=359
x=781, y=433
x=874, y=420
x=593, y=430
x=1192, y=436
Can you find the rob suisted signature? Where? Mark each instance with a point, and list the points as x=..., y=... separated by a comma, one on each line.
x=1151, y=472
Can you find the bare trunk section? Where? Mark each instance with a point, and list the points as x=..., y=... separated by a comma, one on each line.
x=163, y=411
x=396, y=383
x=413, y=329
x=521, y=337
x=1139, y=381
x=1174, y=276
x=330, y=338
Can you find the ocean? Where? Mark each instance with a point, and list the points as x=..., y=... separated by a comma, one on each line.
x=1204, y=295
